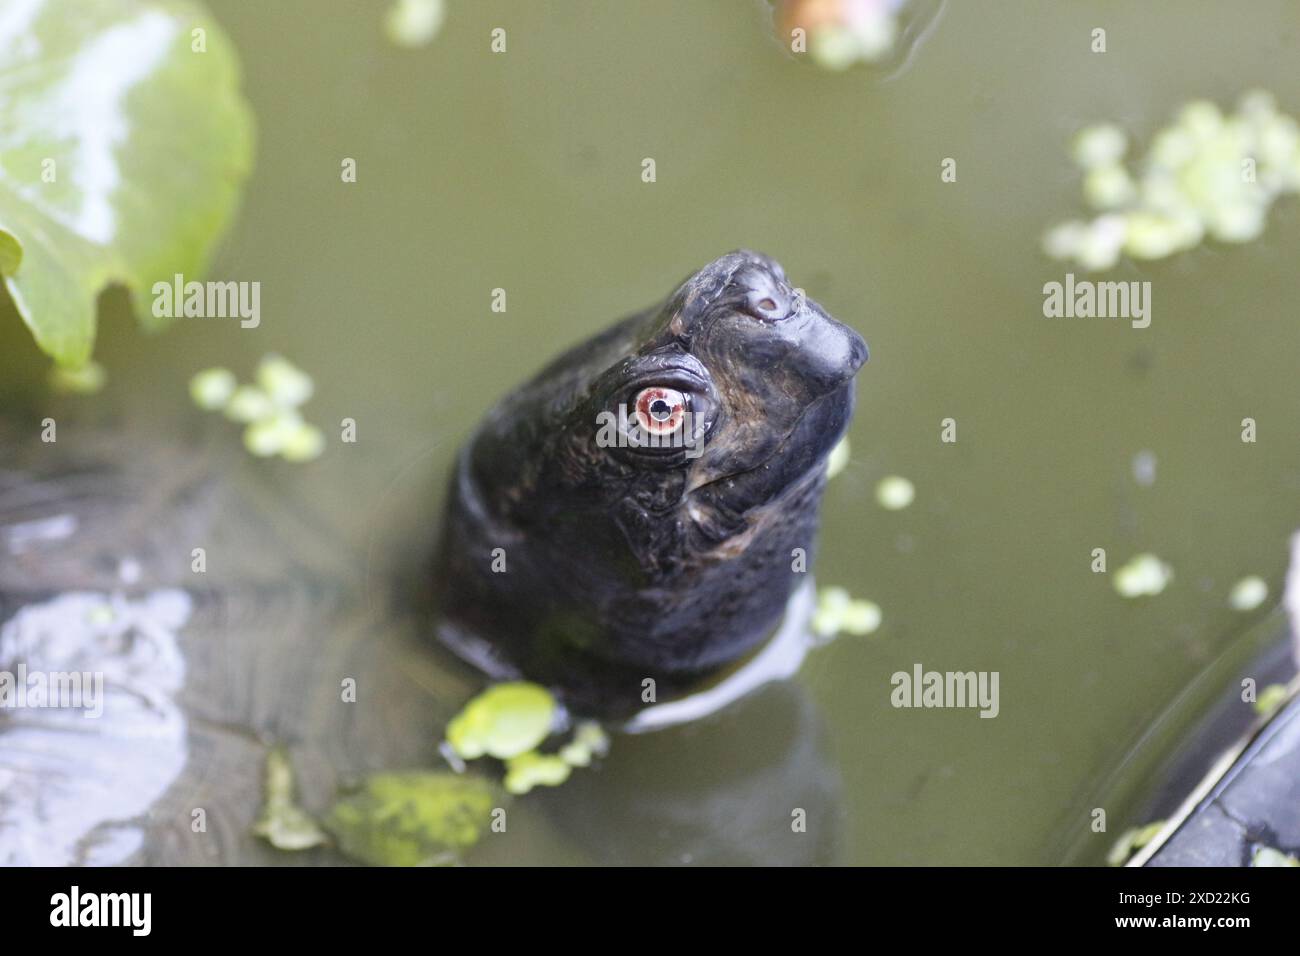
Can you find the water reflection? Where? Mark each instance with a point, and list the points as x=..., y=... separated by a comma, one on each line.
x=726, y=791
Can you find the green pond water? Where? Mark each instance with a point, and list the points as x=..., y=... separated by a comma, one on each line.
x=523, y=171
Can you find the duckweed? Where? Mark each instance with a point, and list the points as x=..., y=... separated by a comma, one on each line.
x=212, y=389
x=268, y=435
x=838, y=612
x=248, y=404
x=504, y=721
x=1270, y=699
x=510, y=722
x=412, y=23
x=589, y=740
x=895, y=493
x=533, y=769
x=1132, y=840
x=268, y=409
x=838, y=459
x=1248, y=593
x=1206, y=175
x=284, y=383
x=1145, y=575
x=1268, y=856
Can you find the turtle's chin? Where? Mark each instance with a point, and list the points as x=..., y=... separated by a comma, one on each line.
x=824, y=423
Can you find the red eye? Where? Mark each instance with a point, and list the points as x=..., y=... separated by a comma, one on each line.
x=659, y=411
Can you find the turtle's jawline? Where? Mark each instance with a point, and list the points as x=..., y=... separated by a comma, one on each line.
x=779, y=449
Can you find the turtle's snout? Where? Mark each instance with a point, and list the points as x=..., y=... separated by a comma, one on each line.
x=833, y=351
x=829, y=351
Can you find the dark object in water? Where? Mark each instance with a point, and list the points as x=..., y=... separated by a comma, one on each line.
x=638, y=508
x=1253, y=805
x=1215, y=779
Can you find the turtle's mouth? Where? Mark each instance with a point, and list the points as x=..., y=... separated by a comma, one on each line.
x=818, y=428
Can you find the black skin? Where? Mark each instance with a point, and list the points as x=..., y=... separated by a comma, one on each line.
x=627, y=563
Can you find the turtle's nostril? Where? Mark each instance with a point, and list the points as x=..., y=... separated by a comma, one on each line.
x=767, y=303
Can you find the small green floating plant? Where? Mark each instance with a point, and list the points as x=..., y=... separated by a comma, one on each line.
x=1248, y=593
x=1144, y=575
x=836, y=612
x=1132, y=840
x=510, y=722
x=413, y=818
x=404, y=818
x=431, y=817
x=838, y=459
x=414, y=23
x=1207, y=175
x=1270, y=856
x=283, y=823
x=1271, y=699
x=268, y=409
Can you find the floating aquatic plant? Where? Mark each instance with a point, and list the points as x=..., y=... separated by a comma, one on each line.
x=533, y=769
x=1248, y=593
x=282, y=822
x=837, y=612
x=504, y=721
x=412, y=818
x=510, y=722
x=1268, y=856
x=1144, y=575
x=268, y=409
x=413, y=23
x=1132, y=840
x=1207, y=175
x=838, y=459
x=1271, y=699
x=589, y=741
x=894, y=493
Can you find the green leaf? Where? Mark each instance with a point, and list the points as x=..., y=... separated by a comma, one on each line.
x=123, y=149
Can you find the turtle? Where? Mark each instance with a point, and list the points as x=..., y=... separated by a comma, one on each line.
x=638, y=514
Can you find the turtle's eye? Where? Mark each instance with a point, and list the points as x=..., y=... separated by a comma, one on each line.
x=660, y=410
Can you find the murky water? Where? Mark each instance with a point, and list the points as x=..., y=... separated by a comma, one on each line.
x=522, y=172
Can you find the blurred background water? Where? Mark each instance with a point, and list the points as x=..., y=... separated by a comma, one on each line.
x=522, y=171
